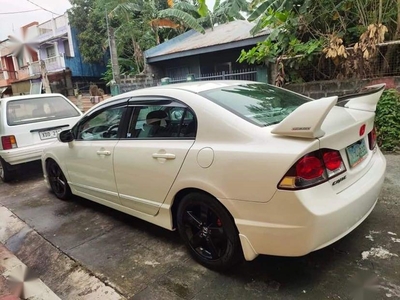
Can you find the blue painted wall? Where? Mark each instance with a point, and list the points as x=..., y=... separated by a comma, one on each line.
x=78, y=67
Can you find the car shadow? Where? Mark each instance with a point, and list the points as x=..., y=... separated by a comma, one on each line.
x=27, y=172
x=124, y=219
x=276, y=271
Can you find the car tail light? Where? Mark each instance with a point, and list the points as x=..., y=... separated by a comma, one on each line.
x=8, y=142
x=332, y=160
x=309, y=167
x=372, y=139
x=312, y=169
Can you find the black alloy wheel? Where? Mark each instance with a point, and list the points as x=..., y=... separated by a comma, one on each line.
x=58, y=182
x=209, y=231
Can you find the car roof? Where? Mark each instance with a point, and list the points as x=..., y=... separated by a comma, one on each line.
x=32, y=96
x=192, y=86
x=201, y=86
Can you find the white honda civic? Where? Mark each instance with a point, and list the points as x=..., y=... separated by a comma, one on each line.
x=239, y=168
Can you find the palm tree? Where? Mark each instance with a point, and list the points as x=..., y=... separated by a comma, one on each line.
x=144, y=18
x=262, y=8
x=222, y=12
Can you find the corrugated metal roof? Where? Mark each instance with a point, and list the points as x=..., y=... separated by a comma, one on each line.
x=222, y=34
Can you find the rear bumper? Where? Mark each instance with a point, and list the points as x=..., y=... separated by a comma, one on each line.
x=296, y=223
x=25, y=154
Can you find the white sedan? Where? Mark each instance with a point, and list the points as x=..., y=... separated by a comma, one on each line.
x=239, y=168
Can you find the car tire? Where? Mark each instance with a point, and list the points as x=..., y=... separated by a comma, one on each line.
x=6, y=173
x=57, y=180
x=209, y=232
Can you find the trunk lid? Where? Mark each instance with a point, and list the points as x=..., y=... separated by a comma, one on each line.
x=347, y=131
x=341, y=124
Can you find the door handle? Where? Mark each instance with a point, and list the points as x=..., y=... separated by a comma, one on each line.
x=164, y=155
x=103, y=152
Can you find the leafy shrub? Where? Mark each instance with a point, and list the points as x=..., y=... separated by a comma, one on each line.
x=387, y=120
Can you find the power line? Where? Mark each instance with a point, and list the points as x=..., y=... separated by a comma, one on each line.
x=18, y=12
x=43, y=8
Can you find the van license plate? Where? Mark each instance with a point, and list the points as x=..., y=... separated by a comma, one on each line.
x=356, y=153
x=49, y=134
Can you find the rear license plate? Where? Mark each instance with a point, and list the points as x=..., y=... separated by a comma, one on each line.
x=356, y=153
x=49, y=134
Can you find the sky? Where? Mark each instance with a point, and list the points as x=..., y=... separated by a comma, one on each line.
x=10, y=24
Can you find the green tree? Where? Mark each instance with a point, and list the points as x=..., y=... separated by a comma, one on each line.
x=142, y=21
x=222, y=12
x=302, y=28
x=139, y=24
x=91, y=28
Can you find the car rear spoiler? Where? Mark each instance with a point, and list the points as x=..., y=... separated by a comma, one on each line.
x=306, y=120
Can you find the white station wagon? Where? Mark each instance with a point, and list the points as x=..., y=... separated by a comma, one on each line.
x=30, y=123
x=239, y=168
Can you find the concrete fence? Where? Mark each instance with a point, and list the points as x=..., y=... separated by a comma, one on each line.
x=319, y=89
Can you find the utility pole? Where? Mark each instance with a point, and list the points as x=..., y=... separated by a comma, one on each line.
x=113, y=54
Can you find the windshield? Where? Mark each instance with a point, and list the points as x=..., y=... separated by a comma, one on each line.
x=34, y=110
x=258, y=103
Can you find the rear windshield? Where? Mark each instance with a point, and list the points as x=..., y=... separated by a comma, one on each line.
x=34, y=110
x=258, y=103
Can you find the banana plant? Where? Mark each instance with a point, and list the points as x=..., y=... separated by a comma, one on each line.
x=222, y=12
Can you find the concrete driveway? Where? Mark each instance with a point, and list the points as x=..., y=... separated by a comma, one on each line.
x=126, y=258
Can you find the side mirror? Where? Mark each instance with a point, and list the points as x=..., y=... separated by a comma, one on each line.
x=65, y=136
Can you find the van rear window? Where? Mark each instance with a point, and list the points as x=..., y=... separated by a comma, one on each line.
x=35, y=110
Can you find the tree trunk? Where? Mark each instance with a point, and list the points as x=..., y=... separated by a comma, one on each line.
x=138, y=53
x=155, y=29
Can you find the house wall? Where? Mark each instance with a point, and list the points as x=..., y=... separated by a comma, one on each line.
x=21, y=88
x=2, y=63
x=3, y=66
x=218, y=61
x=59, y=47
x=3, y=81
x=180, y=68
x=198, y=65
x=42, y=52
x=9, y=75
x=33, y=55
x=80, y=68
x=320, y=89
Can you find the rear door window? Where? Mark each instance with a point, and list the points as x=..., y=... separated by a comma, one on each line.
x=174, y=121
x=35, y=110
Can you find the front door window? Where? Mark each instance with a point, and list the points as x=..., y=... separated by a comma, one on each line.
x=104, y=125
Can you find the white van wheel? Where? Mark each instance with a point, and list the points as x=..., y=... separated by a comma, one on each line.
x=6, y=174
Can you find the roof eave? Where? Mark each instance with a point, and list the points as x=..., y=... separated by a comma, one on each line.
x=226, y=46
